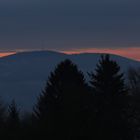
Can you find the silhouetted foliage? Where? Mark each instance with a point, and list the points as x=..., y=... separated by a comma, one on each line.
x=70, y=109
x=13, y=115
x=134, y=80
x=134, y=90
x=111, y=102
x=64, y=102
x=2, y=112
x=13, y=121
x=2, y=119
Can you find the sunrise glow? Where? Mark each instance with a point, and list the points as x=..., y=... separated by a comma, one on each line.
x=132, y=52
x=2, y=54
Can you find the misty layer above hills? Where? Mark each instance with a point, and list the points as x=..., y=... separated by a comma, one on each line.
x=23, y=75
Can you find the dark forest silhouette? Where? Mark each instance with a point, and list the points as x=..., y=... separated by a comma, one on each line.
x=69, y=108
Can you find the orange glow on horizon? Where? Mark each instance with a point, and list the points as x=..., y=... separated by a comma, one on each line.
x=3, y=54
x=132, y=52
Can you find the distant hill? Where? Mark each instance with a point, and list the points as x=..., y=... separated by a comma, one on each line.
x=23, y=75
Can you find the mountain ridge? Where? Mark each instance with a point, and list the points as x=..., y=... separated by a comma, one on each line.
x=57, y=52
x=23, y=75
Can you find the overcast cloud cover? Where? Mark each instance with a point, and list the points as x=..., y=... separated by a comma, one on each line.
x=65, y=24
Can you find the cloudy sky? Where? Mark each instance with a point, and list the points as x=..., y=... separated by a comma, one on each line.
x=71, y=26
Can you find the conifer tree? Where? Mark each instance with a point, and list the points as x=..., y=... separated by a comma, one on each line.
x=13, y=114
x=2, y=118
x=134, y=89
x=64, y=101
x=110, y=101
x=2, y=113
x=13, y=121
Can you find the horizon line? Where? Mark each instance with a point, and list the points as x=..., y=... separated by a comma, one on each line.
x=131, y=53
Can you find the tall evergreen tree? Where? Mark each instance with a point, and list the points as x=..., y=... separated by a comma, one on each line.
x=13, y=121
x=110, y=100
x=13, y=114
x=63, y=103
x=2, y=113
x=2, y=119
x=134, y=89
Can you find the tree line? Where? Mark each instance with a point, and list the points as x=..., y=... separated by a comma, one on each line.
x=70, y=108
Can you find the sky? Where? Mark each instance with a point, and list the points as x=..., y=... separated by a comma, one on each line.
x=71, y=26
